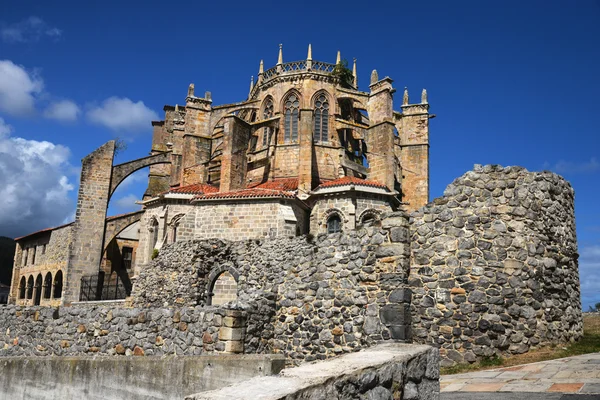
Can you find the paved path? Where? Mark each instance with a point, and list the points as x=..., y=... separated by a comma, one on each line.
x=574, y=375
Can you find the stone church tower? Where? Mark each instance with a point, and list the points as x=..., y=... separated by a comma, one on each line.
x=306, y=152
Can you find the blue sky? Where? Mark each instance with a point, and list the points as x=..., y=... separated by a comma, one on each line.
x=511, y=83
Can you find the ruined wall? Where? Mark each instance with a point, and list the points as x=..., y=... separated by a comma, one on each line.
x=113, y=330
x=308, y=298
x=494, y=265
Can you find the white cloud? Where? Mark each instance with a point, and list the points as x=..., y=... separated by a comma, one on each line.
x=5, y=129
x=34, y=186
x=589, y=275
x=569, y=167
x=122, y=114
x=127, y=203
x=18, y=89
x=64, y=110
x=29, y=30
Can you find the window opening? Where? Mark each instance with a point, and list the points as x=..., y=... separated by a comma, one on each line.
x=224, y=289
x=47, y=285
x=292, y=105
x=22, y=288
x=267, y=113
x=334, y=224
x=321, y=129
x=127, y=257
x=38, y=290
x=58, y=285
x=33, y=255
x=30, y=288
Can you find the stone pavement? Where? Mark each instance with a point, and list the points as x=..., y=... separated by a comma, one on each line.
x=573, y=375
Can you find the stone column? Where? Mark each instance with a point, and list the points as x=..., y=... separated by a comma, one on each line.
x=306, y=152
x=85, y=252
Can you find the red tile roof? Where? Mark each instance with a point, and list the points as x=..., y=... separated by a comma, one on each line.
x=197, y=188
x=253, y=193
x=286, y=184
x=351, y=180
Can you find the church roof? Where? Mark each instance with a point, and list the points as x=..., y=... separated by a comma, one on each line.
x=252, y=193
x=197, y=188
x=351, y=180
x=285, y=184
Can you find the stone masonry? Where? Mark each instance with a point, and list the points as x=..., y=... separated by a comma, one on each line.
x=494, y=265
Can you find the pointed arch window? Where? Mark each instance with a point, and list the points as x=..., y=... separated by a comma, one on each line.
x=291, y=109
x=267, y=113
x=321, y=131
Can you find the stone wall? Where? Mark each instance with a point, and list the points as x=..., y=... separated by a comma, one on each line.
x=119, y=331
x=387, y=371
x=310, y=298
x=494, y=265
x=131, y=378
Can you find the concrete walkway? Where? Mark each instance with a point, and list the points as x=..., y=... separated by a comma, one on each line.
x=573, y=375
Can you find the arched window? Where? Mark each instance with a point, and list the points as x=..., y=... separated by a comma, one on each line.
x=47, y=285
x=175, y=221
x=30, y=287
x=25, y=256
x=38, y=290
x=334, y=224
x=153, y=235
x=223, y=289
x=369, y=216
x=267, y=113
x=321, y=131
x=22, y=288
x=58, y=285
x=291, y=107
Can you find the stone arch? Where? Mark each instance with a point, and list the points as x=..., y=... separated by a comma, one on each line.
x=30, y=287
x=174, y=225
x=58, y=284
x=37, y=296
x=331, y=213
x=369, y=214
x=222, y=285
x=22, y=287
x=122, y=171
x=116, y=225
x=47, y=286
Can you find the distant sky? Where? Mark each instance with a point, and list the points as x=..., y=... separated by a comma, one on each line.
x=511, y=83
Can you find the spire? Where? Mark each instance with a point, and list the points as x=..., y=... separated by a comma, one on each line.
x=280, y=59
x=405, y=97
x=191, y=90
x=251, y=84
x=424, y=96
x=354, y=74
x=309, y=57
x=374, y=77
x=176, y=107
x=261, y=68
x=338, y=58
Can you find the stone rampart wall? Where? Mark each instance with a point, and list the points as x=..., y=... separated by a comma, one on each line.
x=102, y=330
x=494, y=265
x=310, y=298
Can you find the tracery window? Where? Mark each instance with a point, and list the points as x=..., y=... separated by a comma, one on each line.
x=267, y=113
x=291, y=109
x=321, y=131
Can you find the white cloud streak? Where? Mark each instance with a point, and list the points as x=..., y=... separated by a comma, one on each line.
x=64, y=110
x=18, y=89
x=569, y=167
x=30, y=30
x=122, y=115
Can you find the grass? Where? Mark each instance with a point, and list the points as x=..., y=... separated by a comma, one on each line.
x=589, y=343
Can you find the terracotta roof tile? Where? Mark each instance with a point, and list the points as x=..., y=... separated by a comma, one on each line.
x=253, y=193
x=351, y=180
x=197, y=188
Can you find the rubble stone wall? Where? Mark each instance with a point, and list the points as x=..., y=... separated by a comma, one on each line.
x=312, y=298
x=494, y=265
x=111, y=330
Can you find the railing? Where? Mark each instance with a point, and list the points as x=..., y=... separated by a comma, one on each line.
x=102, y=287
x=296, y=66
